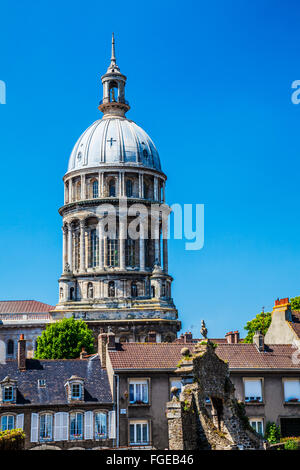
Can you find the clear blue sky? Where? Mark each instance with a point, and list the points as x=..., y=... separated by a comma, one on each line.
x=211, y=83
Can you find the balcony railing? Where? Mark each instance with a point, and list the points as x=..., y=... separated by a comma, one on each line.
x=118, y=100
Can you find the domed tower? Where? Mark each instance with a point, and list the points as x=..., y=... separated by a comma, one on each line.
x=116, y=281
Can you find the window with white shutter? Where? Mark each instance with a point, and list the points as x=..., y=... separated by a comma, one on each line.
x=291, y=390
x=88, y=425
x=100, y=425
x=112, y=424
x=253, y=390
x=20, y=421
x=34, y=434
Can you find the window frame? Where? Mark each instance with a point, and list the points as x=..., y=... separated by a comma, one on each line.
x=80, y=394
x=104, y=436
x=257, y=420
x=8, y=415
x=80, y=436
x=139, y=381
x=292, y=401
x=252, y=379
x=44, y=415
x=135, y=423
x=174, y=379
x=8, y=400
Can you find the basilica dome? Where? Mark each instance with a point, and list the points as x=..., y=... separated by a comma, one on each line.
x=114, y=140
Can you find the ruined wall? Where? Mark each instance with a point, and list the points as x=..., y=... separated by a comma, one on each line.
x=207, y=415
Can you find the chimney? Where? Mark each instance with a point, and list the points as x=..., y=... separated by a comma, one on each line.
x=280, y=302
x=83, y=353
x=111, y=341
x=230, y=337
x=259, y=341
x=151, y=337
x=102, y=340
x=22, y=353
x=188, y=337
x=236, y=336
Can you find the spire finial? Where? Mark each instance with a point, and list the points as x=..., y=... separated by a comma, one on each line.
x=113, y=56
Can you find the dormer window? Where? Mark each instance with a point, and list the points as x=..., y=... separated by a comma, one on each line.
x=8, y=390
x=8, y=393
x=75, y=389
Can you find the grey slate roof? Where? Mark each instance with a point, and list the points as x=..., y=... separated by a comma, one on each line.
x=56, y=373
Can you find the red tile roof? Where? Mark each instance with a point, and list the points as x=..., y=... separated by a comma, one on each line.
x=295, y=324
x=167, y=355
x=24, y=306
x=247, y=356
x=146, y=356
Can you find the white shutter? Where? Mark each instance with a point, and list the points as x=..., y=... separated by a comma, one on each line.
x=65, y=427
x=112, y=424
x=57, y=427
x=20, y=421
x=34, y=435
x=88, y=425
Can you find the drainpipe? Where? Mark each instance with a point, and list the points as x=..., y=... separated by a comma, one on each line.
x=118, y=414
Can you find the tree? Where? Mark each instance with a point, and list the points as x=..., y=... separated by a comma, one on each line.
x=295, y=303
x=64, y=340
x=261, y=322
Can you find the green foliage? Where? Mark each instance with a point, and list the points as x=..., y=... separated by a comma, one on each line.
x=291, y=444
x=295, y=303
x=272, y=433
x=258, y=323
x=12, y=440
x=64, y=340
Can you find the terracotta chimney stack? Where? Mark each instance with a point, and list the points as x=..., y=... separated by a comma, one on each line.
x=22, y=353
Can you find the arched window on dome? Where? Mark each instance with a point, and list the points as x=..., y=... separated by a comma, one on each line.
x=10, y=348
x=129, y=191
x=145, y=155
x=134, y=289
x=113, y=91
x=61, y=292
x=111, y=289
x=90, y=290
x=95, y=189
x=112, y=188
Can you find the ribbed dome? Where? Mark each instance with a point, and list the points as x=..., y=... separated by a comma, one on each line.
x=114, y=140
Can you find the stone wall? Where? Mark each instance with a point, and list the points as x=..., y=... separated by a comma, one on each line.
x=207, y=415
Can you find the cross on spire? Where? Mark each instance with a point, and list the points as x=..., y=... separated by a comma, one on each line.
x=113, y=55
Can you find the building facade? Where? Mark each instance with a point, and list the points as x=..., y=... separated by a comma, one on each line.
x=116, y=277
x=60, y=404
x=27, y=317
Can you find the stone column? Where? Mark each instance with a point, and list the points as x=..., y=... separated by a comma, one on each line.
x=164, y=191
x=83, y=187
x=70, y=190
x=142, y=246
x=165, y=254
x=122, y=236
x=157, y=244
x=120, y=180
x=100, y=244
x=100, y=187
x=82, y=245
x=155, y=188
x=70, y=246
x=65, y=242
